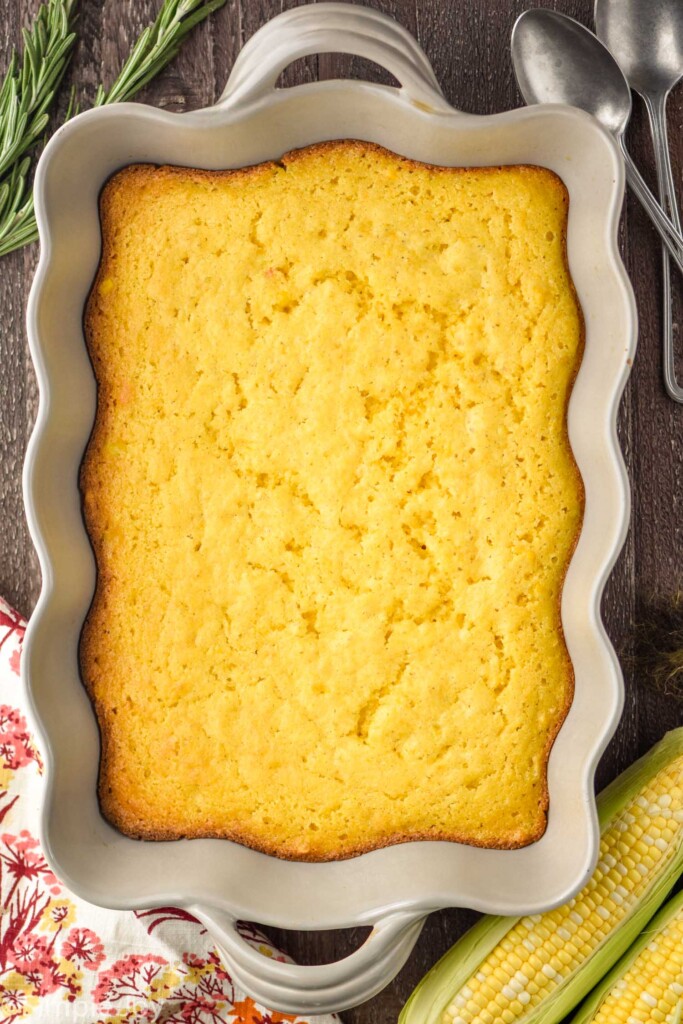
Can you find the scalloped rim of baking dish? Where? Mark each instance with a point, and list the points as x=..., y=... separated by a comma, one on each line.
x=250, y=124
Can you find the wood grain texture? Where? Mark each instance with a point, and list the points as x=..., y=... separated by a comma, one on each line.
x=468, y=44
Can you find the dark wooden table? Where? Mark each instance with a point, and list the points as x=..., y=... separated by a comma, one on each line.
x=468, y=44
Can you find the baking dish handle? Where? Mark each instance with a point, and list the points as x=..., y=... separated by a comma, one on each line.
x=325, y=988
x=332, y=28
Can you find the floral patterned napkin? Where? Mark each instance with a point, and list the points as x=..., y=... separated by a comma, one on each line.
x=63, y=961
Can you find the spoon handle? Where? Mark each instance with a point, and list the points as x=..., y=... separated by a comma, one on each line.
x=656, y=108
x=671, y=237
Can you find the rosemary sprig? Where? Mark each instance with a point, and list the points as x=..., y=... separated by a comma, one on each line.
x=28, y=90
x=26, y=95
x=17, y=223
x=156, y=46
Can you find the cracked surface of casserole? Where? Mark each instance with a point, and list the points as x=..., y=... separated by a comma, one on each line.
x=332, y=501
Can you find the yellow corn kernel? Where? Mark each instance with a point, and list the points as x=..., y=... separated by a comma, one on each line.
x=634, y=851
x=647, y=984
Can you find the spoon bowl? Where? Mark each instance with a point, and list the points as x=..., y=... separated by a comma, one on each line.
x=646, y=37
x=557, y=60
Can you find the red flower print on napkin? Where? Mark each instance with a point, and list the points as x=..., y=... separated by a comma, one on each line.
x=11, y=624
x=24, y=861
x=84, y=947
x=16, y=746
x=54, y=948
x=132, y=976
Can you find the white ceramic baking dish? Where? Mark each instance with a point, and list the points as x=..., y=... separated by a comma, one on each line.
x=392, y=889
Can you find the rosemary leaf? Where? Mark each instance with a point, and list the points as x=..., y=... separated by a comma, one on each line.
x=28, y=89
x=156, y=47
x=16, y=221
x=26, y=95
x=23, y=229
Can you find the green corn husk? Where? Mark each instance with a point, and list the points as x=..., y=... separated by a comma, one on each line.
x=437, y=990
x=597, y=997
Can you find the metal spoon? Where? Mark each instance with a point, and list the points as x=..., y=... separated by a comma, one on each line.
x=646, y=38
x=557, y=60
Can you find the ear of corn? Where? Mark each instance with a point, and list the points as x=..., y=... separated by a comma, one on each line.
x=535, y=970
x=647, y=983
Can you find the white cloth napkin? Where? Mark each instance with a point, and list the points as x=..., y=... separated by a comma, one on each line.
x=63, y=961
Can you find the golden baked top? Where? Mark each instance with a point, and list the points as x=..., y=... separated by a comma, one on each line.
x=331, y=499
